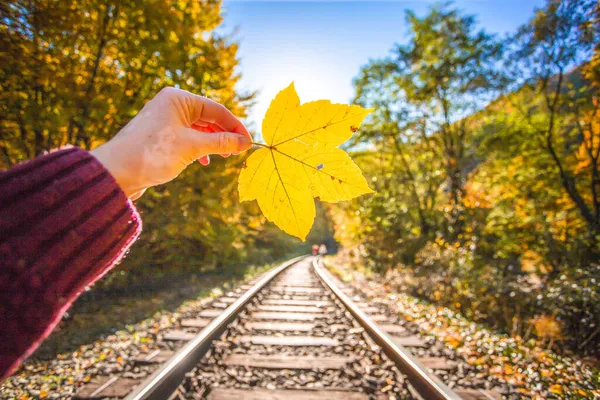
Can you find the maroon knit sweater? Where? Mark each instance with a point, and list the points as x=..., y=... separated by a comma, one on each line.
x=64, y=222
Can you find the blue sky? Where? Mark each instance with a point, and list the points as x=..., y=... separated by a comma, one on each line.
x=322, y=45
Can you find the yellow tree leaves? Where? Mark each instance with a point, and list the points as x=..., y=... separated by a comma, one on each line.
x=301, y=161
x=589, y=128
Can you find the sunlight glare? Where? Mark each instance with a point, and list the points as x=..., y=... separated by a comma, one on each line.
x=315, y=78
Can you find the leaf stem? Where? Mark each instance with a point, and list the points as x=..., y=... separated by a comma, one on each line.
x=260, y=144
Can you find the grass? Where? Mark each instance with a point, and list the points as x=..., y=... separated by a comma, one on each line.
x=117, y=313
x=119, y=302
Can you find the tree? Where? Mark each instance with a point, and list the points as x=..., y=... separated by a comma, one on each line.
x=515, y=231
x=564, y=106
x=444, y=73
x=75, y=72
x=394, y=130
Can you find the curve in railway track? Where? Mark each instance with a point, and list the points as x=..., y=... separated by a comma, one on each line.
x=294, y=333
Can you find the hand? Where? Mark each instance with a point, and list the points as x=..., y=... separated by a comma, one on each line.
x=173, y=129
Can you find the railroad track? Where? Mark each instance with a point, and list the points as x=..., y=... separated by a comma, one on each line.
x=294, y=333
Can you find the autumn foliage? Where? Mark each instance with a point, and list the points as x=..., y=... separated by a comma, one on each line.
x=483, y=152
x=485, y=166
x=75, y=72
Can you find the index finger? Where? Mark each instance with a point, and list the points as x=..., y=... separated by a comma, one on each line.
x=218, y=114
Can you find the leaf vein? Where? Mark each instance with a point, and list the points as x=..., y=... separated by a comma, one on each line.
x=311, y=131
x=285, y=190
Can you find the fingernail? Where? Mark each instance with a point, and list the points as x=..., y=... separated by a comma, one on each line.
x=244, y=143
x=204, y=160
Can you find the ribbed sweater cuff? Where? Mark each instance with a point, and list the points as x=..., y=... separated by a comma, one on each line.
x=64, y=222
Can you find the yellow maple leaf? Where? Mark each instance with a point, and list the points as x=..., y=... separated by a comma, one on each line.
x=301, y=161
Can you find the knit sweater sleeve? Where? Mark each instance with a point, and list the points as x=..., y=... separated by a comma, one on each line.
x=64, y=222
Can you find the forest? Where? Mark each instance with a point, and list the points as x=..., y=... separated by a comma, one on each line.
x=76, y=72
x=484, y=151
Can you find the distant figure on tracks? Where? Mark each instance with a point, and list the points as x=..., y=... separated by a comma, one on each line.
x=315, y=249
x=322, y=249
x=66, y=217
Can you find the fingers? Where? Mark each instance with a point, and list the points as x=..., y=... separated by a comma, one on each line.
x=209, y=127
x=213, y=129
x=201, y=109
x=216, y=143
x=137, y=195
x=220, y=116
x=204, y=160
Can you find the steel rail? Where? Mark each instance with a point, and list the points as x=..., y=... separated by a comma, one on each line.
x=428, y=385
x=164, y=381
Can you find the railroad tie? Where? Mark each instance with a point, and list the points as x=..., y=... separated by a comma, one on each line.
x=210, y=313
x=195, y=323
x=291, y=309
x=287, y=362
x=478, y=394
x=370, y=309
x=438, y=363
x=280, y=326
x=219, y=305
x=227, y=299
x=296, y=302
x=379, y=318
x=265, y=394
x=409, y=341
x=106, y=386
x=297, y=284
x=283, y=296
x=393, y=329
x=289, y=340
x=297, y=289
x=153, y=357
x=179, y=336
x=267, y=315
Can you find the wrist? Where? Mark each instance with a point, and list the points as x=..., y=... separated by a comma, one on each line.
x=106, y=155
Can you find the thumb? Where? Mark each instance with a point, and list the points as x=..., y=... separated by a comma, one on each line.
x=218, y=142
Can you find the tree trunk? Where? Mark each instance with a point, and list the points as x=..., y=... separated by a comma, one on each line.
x=81, y=122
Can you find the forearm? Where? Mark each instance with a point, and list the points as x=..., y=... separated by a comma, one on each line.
x=65, y=218
x=64, y=222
